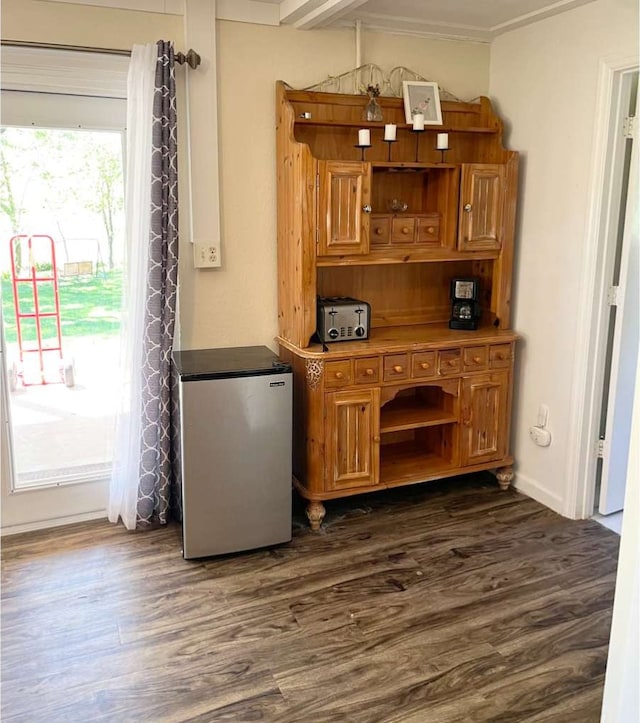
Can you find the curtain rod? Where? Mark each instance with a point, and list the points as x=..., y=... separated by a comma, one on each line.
x=191, y=58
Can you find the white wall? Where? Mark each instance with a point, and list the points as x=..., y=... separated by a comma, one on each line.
x=545, y=80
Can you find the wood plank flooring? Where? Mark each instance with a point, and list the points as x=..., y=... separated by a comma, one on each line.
x=443, y=602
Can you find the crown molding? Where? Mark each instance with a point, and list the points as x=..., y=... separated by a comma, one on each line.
x=165, y=7
x=408, y=26
x=248, y=11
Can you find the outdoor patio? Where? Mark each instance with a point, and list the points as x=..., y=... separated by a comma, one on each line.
x=62, y=432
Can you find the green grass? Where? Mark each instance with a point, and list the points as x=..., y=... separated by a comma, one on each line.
x=89, y=306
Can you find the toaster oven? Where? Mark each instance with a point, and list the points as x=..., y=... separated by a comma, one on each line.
x=341, y=318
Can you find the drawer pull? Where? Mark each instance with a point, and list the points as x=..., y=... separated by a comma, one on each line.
x=369, y=372
x=452, y=363
x=477, y=360
x=431, y=229
x=405, y=229
x=339, y=375
x=379, y=231
x=398, y=369
x=500, y=356
x=424, y=365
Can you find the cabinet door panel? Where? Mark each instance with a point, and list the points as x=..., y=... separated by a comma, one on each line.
x=481, y=206
x=353, y=438
x=485, y=417
x=344, y=197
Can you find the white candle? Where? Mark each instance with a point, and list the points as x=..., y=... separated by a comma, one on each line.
x=364, y=137
x=390, y=132
x=418, y=122
x=442, y=142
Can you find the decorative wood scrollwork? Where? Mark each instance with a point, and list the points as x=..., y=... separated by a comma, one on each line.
x=314, y=372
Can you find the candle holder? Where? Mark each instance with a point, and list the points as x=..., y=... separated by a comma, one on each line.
x=362, y=149
x=442, y=152
x=417, y=133
x=390, y=144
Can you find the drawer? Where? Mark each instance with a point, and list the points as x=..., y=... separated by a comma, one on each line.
x=423, y=364
x=403, y=230
x=380, y=229
x=500, y=356
x=429, y=231
x=449, y=362
x=337, y=373
x=396, y=367
x=475, y=358
x=367, y=370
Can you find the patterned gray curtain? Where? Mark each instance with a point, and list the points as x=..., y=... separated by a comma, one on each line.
x=155, y=485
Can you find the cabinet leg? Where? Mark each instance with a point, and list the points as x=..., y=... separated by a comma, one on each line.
x=315, y=514
x=505, y=476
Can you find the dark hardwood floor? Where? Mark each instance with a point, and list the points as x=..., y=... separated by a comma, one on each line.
x=450, y=601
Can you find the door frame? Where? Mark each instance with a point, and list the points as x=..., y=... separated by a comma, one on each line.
x=591, y=340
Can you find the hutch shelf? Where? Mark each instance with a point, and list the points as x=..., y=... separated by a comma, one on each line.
x=416, y=401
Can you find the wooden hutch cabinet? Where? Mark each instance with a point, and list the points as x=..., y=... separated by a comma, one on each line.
x=416, y=401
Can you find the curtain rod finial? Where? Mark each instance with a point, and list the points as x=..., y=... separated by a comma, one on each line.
x=192, y=59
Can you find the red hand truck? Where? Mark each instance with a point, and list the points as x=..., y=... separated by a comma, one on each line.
x=33, y=282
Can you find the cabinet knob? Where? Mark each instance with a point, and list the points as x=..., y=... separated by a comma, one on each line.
x=367, y=208
x=379, y=231
x=467, y=207
x=339, y=375
x=368, y=372
x=499, y=356
x=398, y=369
x=405, y=229
x=452, y=363
x=476, y=360
x=431, y=229
x=425, y=365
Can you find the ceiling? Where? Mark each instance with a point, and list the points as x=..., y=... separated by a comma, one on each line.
x=479, y=20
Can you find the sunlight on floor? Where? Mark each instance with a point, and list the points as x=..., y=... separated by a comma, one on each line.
x=612, y=522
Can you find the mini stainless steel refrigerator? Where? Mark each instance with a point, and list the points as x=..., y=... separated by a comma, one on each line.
x=233, y=438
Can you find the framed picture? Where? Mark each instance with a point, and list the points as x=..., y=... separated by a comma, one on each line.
x=422, y=97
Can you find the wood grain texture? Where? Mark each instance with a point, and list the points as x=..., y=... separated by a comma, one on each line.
x=447, y=602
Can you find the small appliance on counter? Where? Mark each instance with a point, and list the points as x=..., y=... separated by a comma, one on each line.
x=234, y=442
x=465, y=309
x=341, y=318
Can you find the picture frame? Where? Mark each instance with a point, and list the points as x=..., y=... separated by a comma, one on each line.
x=422, y=97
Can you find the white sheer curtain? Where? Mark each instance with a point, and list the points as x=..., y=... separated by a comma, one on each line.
x=123, y=492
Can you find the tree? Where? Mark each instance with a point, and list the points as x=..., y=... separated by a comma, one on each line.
x=108, y=192
x=12, y=210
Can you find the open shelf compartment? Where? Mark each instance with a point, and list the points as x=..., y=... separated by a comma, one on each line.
x=419, y=430
x=420, y=406
x=418, y=454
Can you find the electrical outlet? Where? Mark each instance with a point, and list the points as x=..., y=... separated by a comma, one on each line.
x=206, y=254
x=540, y=436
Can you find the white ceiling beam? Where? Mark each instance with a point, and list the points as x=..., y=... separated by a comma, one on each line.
x=292, y=10
x=325, y=13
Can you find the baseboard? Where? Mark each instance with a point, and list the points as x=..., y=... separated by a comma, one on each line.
x=55, y=522
x=532, y=488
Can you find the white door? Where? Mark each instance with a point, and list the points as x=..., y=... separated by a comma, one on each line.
x=624, y=342
x=87, y=95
